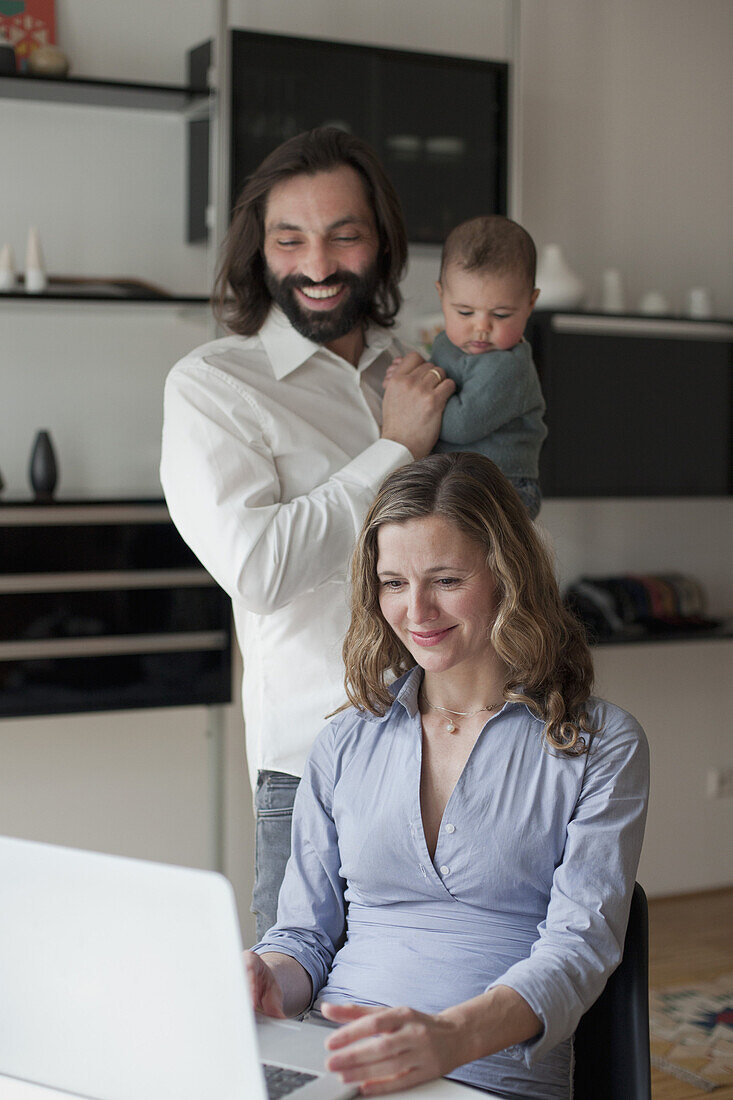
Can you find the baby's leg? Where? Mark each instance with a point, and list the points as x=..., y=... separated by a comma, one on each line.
x=530, y=493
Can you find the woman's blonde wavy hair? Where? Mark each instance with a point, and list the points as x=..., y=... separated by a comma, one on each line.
x=541, y=643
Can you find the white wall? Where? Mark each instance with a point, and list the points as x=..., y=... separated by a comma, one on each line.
x=627, y=151
x=93, y=374
x=621, y=106
x=627, y=163
x=682, y=693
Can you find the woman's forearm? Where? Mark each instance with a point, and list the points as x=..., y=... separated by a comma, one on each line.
x=491, y=1022
x=293, y=979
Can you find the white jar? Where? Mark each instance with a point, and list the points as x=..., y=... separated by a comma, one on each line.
x=560, y=287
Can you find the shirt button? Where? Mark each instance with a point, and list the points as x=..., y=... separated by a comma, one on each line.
x=450, y=828
x=445, y=870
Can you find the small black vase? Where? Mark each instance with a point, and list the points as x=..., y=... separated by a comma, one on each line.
x=43, y=471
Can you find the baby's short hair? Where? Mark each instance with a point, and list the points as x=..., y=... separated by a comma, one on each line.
x=491, y=243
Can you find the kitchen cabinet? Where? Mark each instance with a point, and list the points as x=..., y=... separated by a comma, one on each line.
x=636, y=406
x=104, y=607
x=438, y=123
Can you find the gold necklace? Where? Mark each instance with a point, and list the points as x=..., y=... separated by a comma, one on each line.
x=450, y=726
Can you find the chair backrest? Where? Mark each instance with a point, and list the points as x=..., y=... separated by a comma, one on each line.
x=612, y=1039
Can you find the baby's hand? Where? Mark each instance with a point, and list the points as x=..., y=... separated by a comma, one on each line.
x=414, y=357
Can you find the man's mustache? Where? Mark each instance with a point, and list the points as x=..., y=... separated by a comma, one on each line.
x=348, y=277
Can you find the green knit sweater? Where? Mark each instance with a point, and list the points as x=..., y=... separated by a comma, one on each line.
x=497, y=407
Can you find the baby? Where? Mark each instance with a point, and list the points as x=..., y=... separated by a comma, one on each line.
x=487, y=293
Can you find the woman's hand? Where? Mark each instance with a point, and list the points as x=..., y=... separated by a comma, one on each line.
x=386, y=1049
x=267, y=996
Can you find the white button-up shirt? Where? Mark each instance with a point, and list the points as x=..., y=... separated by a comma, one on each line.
x=271, y=457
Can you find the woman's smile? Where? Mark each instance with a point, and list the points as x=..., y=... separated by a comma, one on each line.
x=430, y=637
x=437, y=593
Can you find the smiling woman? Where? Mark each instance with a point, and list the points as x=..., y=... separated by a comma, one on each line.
x=439, y=599
x=466, y=835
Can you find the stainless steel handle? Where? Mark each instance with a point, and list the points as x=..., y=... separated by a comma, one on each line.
x=641, y=326
x=57, y=515
x=105, y=580
x=45, y=648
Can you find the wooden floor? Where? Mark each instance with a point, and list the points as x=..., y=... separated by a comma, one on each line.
x=690, y=939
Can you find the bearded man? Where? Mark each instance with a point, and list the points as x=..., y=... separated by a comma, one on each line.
x=276, y=438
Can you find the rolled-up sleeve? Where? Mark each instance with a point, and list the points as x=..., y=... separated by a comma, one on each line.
x=581, y=939
x=311, y=910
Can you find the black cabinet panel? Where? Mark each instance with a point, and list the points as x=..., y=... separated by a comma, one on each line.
x=442, y=138
x=104, y=607
x=77, y=685
x=439, y=123
x=635, y=408
x=282, y=86
x=33, y=615
x=75, y=547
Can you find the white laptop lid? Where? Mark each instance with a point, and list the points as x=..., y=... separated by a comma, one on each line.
x=121, y=978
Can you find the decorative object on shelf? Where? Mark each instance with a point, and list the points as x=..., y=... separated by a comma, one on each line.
x=43, y=469
x=48, y=61
x=29, y=24
x=560, y=287
x=653, y=302
x=613, y=299
x=636, y=606
x=7, y=53
x=7, y=268
x=35, y=269
x=699, y=302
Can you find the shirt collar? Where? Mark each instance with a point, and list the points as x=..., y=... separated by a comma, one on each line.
x=287, y=349
x=407, y=688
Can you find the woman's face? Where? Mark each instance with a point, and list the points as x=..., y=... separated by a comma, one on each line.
x=436, y=593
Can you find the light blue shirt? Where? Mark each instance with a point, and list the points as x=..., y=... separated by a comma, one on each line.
x=530, y=885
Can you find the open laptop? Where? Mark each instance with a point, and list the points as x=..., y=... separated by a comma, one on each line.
x=122, y=979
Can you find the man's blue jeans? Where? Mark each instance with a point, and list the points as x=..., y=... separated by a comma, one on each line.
x=274, y=797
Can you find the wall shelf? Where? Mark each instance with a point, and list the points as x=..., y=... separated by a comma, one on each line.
x=107, y=299
x=85, y=91
x=710, y=634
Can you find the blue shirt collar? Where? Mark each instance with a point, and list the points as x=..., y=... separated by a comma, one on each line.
x=406, y=689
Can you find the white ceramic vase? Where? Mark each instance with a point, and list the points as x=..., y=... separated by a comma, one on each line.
x=613, y=299
x=7, y=268
x=560, y=287
x=35, y=268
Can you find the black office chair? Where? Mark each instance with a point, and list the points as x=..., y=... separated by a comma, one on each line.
x=612, y=1039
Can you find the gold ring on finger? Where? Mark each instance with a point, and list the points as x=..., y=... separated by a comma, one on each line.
x=436, y=372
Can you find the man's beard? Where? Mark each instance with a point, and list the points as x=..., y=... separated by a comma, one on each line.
x=329, y=325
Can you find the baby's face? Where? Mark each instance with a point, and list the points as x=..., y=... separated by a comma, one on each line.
x=484, y=312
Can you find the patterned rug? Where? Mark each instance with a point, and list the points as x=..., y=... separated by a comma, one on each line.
x=692, y=1032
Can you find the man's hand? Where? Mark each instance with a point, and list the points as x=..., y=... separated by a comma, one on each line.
x=267, y=996
x=415, y=393
x=386, y=1049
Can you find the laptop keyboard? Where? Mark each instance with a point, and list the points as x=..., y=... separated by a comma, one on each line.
x=281, y=1081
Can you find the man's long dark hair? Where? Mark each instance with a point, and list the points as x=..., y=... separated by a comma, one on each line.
x=241, y=301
